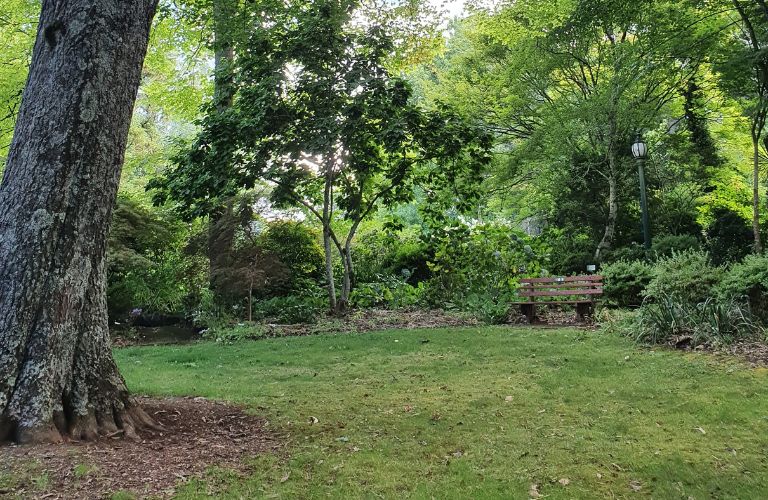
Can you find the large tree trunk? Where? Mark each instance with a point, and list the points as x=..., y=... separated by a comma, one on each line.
x=57, y=374
x=224, y=54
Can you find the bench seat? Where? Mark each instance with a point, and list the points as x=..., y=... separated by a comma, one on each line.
x=581, y=291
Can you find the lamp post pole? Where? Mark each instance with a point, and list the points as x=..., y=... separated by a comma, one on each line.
x=644, y=204
x=640, y=151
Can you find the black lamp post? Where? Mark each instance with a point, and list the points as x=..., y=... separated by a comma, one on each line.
x=640, y=152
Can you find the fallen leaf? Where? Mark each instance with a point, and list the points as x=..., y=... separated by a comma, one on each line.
x=635, y=485
x=564, y=481
x=285, y=477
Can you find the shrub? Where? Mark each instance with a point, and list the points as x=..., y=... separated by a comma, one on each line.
x=288, y=310
x=571, y=251
x=297, y=247
x=666, y=246
x=384, y=252
x=626, y=281
x=483, y=261
x=747, y=280
x=391, y=292
x=670, y=319
x=688, y=276
x=629, y=253
x=147, y=265
x=210, y=312
x=491, y=309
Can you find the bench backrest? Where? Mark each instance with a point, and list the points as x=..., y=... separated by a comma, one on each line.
x=564, y=286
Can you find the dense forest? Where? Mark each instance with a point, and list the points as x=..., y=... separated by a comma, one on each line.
x=286, y=159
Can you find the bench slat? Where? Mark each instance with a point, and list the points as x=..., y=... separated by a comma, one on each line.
x=552, y=302
x=558, y=293
x=577, y=286
x=565, y=279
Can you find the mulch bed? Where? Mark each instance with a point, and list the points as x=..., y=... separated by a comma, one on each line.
x=755, y=353
x=199, y=433
x=368, y=320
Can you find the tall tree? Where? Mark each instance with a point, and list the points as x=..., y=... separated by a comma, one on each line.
x=318, y=115
x=57, y=374
x=566, y=87
x=749, y=59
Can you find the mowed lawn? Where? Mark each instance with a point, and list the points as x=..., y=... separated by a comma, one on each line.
x=477, y=413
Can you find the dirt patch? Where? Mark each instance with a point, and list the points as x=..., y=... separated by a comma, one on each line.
x=198, y=434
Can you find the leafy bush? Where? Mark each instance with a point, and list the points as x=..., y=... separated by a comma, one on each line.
x=747, y=280
x=570, y=251
x=391, y=292
x=688, y=276
x=387, y=253
x=211, y=312
x=491, y=309
x=625, y=282
x=629, y=253
x=667, y=245
x=288, y=310
x=670, y=319
x=484, y=261
x=147, y=265
x=297, y=248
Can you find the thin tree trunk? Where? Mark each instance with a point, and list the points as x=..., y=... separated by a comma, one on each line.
x=250, y=301
x=613, y=212
x=349, y=276
x=342, y=306
x=57, y=374
x=756, y=194
x=327, y=200
x=329, y=269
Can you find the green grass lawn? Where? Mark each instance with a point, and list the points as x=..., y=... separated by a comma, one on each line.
x=477, y=413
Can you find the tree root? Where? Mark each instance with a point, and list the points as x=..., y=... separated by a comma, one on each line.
x=129, y=420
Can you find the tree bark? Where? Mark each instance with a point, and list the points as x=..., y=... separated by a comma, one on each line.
x=613, y=212
x=224, y=54
x=756, y=194
x=57, y=374
x=329, y=268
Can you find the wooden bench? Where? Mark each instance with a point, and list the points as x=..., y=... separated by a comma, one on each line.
x=580, y=291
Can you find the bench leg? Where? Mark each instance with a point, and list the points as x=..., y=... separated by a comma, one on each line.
x=529, y=310
x=583, y=310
